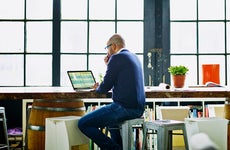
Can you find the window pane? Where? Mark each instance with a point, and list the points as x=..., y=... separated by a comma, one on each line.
x=94, y=62
x=99, y=34
x=183, y=9
x=39, y=9
x=141, y=59
x=71, y=62
x=133, y=34
x=11, y=67
x=228, y=37
x=213, y=11
x=191, y=63
x=102, y=9
x=124, y=11
x=11, y=32
x=72, y=9
x=12, y=9
x=213, y=60
x=39, y=37
x=183, y=37
x=74, y=37
x=228, y=10
x=211, y=37
x=38, y=70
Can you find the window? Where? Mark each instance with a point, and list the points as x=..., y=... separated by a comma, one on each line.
x=29, y=52
x=86, y=28
x=200, y=35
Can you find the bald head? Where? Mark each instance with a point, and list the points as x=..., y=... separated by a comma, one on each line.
x=117, y=40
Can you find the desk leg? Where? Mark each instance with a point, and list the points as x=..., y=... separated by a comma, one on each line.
x=25, y=103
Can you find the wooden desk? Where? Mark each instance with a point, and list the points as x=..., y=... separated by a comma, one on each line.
x=52, y=93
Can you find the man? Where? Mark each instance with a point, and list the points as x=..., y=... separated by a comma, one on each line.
x=124, y=75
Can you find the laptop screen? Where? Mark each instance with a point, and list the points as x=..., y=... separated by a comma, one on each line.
x=81, y=79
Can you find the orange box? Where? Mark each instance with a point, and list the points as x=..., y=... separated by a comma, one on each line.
x=211, y=73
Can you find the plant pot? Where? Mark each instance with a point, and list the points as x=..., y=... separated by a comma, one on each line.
x=178, y=80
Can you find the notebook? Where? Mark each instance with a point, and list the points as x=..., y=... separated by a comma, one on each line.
x=81, y=80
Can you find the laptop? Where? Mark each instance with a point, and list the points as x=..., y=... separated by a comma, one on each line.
x=82, y=80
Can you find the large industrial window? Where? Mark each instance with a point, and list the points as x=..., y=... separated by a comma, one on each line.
x=27, y=45
x=200, y=34
x=86, y=27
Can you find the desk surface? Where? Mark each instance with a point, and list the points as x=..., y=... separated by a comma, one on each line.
x=18, y=93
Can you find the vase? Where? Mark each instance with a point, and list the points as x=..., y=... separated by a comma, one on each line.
x=178, y=81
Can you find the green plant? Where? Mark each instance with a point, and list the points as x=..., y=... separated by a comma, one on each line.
x=178, y=70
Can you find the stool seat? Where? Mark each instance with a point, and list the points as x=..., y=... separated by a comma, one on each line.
x=3, y=120
x=164, y=130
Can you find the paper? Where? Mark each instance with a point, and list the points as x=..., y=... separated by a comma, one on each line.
x=164, y=86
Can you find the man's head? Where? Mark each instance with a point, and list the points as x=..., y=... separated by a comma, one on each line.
x=115, y=43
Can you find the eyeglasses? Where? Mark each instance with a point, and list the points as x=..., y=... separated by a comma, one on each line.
x=108, y=46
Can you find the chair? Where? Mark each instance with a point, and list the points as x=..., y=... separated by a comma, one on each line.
x=215, y=128
x=3, y=120
x=170, y=118
x=62, y=134
x=172, y=112
x=163, y=129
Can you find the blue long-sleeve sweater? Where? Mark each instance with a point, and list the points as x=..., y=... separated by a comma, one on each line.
x=124, y=75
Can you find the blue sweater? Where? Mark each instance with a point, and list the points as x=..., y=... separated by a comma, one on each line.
x=124, y=75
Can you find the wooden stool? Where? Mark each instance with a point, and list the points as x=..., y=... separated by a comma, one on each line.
x=3, y=120
x=164, y=130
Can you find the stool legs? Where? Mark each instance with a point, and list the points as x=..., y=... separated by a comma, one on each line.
x=185, y=138
x=162, y=138
x=127, y=132
x=3, y=119
x=164, y=133
x=144, y=142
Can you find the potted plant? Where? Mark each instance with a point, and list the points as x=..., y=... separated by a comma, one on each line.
x=178, y=75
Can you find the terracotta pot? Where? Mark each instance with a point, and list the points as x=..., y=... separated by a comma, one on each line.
x=178, y=80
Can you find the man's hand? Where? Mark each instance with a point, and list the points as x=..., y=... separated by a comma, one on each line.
x=106, y=59
x=95, y=86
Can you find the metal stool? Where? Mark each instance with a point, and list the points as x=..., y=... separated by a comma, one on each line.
x=3, y=120
x=164, y=130
x=126, y=130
